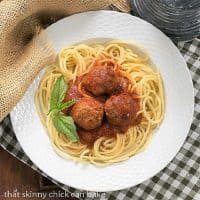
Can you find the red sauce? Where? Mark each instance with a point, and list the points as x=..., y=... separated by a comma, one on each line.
x=136, y=104
x=88, y=137
x=73, y=92
x=106, y=130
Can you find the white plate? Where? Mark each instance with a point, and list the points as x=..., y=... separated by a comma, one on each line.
x=166, y=141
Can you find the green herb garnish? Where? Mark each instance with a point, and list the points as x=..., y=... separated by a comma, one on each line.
x=63, y=124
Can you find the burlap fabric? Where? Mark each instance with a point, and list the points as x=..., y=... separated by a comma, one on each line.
x=24, y=48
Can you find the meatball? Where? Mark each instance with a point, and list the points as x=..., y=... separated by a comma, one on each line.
x=101, y=80
x=88, y=113
x=120, y=110
x=122, y=86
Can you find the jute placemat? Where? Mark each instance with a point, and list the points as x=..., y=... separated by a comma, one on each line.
x=24, y=47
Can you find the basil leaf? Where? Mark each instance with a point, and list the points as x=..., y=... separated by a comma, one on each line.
x=63, y=124
x=67, y=104
x=58, y=92
x=66, y=126
x=53, y=111
x=61, y=107
x=69, y=120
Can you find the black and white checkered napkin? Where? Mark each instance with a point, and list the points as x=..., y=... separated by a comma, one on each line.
x=179, y=180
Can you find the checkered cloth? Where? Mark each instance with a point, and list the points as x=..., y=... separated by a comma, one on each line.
x=180, y=180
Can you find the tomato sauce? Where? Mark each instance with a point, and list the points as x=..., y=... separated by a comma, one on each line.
x=88, y=137
x=73, y=92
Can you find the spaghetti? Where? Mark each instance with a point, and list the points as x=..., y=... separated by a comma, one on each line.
x=145, y=80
